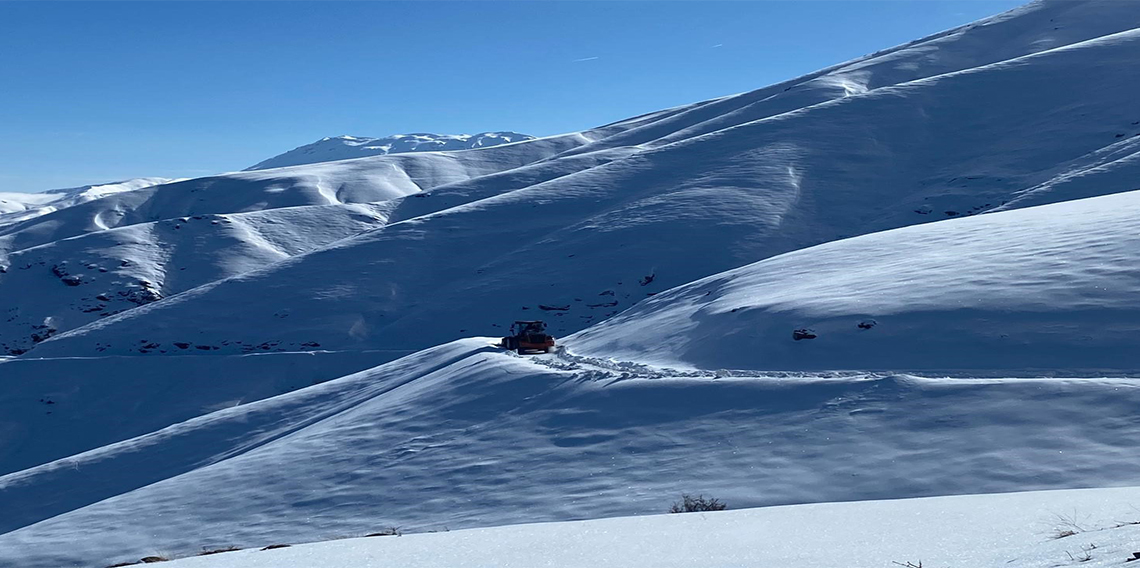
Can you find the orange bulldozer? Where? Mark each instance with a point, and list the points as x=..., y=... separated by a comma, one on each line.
x=528, y=336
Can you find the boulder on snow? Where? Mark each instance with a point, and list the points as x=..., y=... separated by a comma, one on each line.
x=803, y=333
x=868, y=324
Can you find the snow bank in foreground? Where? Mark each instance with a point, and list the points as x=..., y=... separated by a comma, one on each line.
x=1013, y=530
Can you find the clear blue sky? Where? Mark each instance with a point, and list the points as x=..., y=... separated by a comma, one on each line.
x=100, y=91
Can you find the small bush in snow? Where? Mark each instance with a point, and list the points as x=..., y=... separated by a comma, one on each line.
x=209, y=551
x=390, y=531
x=1067, y=525
x=690, y=504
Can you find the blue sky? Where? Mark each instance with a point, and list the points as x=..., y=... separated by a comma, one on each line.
x=100, y=91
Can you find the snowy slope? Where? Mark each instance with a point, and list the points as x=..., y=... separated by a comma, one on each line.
x=347, y=147
x=1009, y=530
x=465, y=436
x=583, y=244
x=1045, y=288
x=15, y=207
x=72, y=282
x=55, y=408
x=278, y=213
x=352, y=181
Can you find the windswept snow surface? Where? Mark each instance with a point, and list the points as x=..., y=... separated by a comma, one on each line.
x=347, y=147
x=1048, y=288
x=54, y=408
x=15, y=207
x=75, y=281
x=352, y=181
x=464, y=435
x=161, y=240
x=1003, y=530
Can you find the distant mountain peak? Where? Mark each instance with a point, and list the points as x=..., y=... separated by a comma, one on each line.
x=345, y=147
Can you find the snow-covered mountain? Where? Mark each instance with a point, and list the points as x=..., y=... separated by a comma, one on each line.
x=465, y=435
x=348, y=147
x=16, y=207
x=122, y=243
x=911, y=274
x=635, y=221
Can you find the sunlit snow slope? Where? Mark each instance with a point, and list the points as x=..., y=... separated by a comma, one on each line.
x=163, y=239
x=464, y=435
x=736, y=187
x=1010, y=530
x=347, y=147
x=1045, y=288
x=15, y=207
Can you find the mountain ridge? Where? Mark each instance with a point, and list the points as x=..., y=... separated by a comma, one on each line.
x=345, y=147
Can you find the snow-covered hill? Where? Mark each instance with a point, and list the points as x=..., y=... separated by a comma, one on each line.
x=1040, y=289
x=16, y=207
x=347, y=147
x=1011, y=530
x=71, y=282
x=581, y=246
x=353, y=181
x=136, y=232
x=463, y=435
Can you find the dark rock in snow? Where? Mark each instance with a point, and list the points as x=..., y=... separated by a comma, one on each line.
x=603, y=305
x=867, y=324
x=803, y=333
x=43, y=332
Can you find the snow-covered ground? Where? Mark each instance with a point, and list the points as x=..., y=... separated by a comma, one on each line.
x=1047, y=289
x=465, y=435
x=908, y=275
x=16, y=207
x=1013, y=530
x=347, y=147
x=71, y=282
